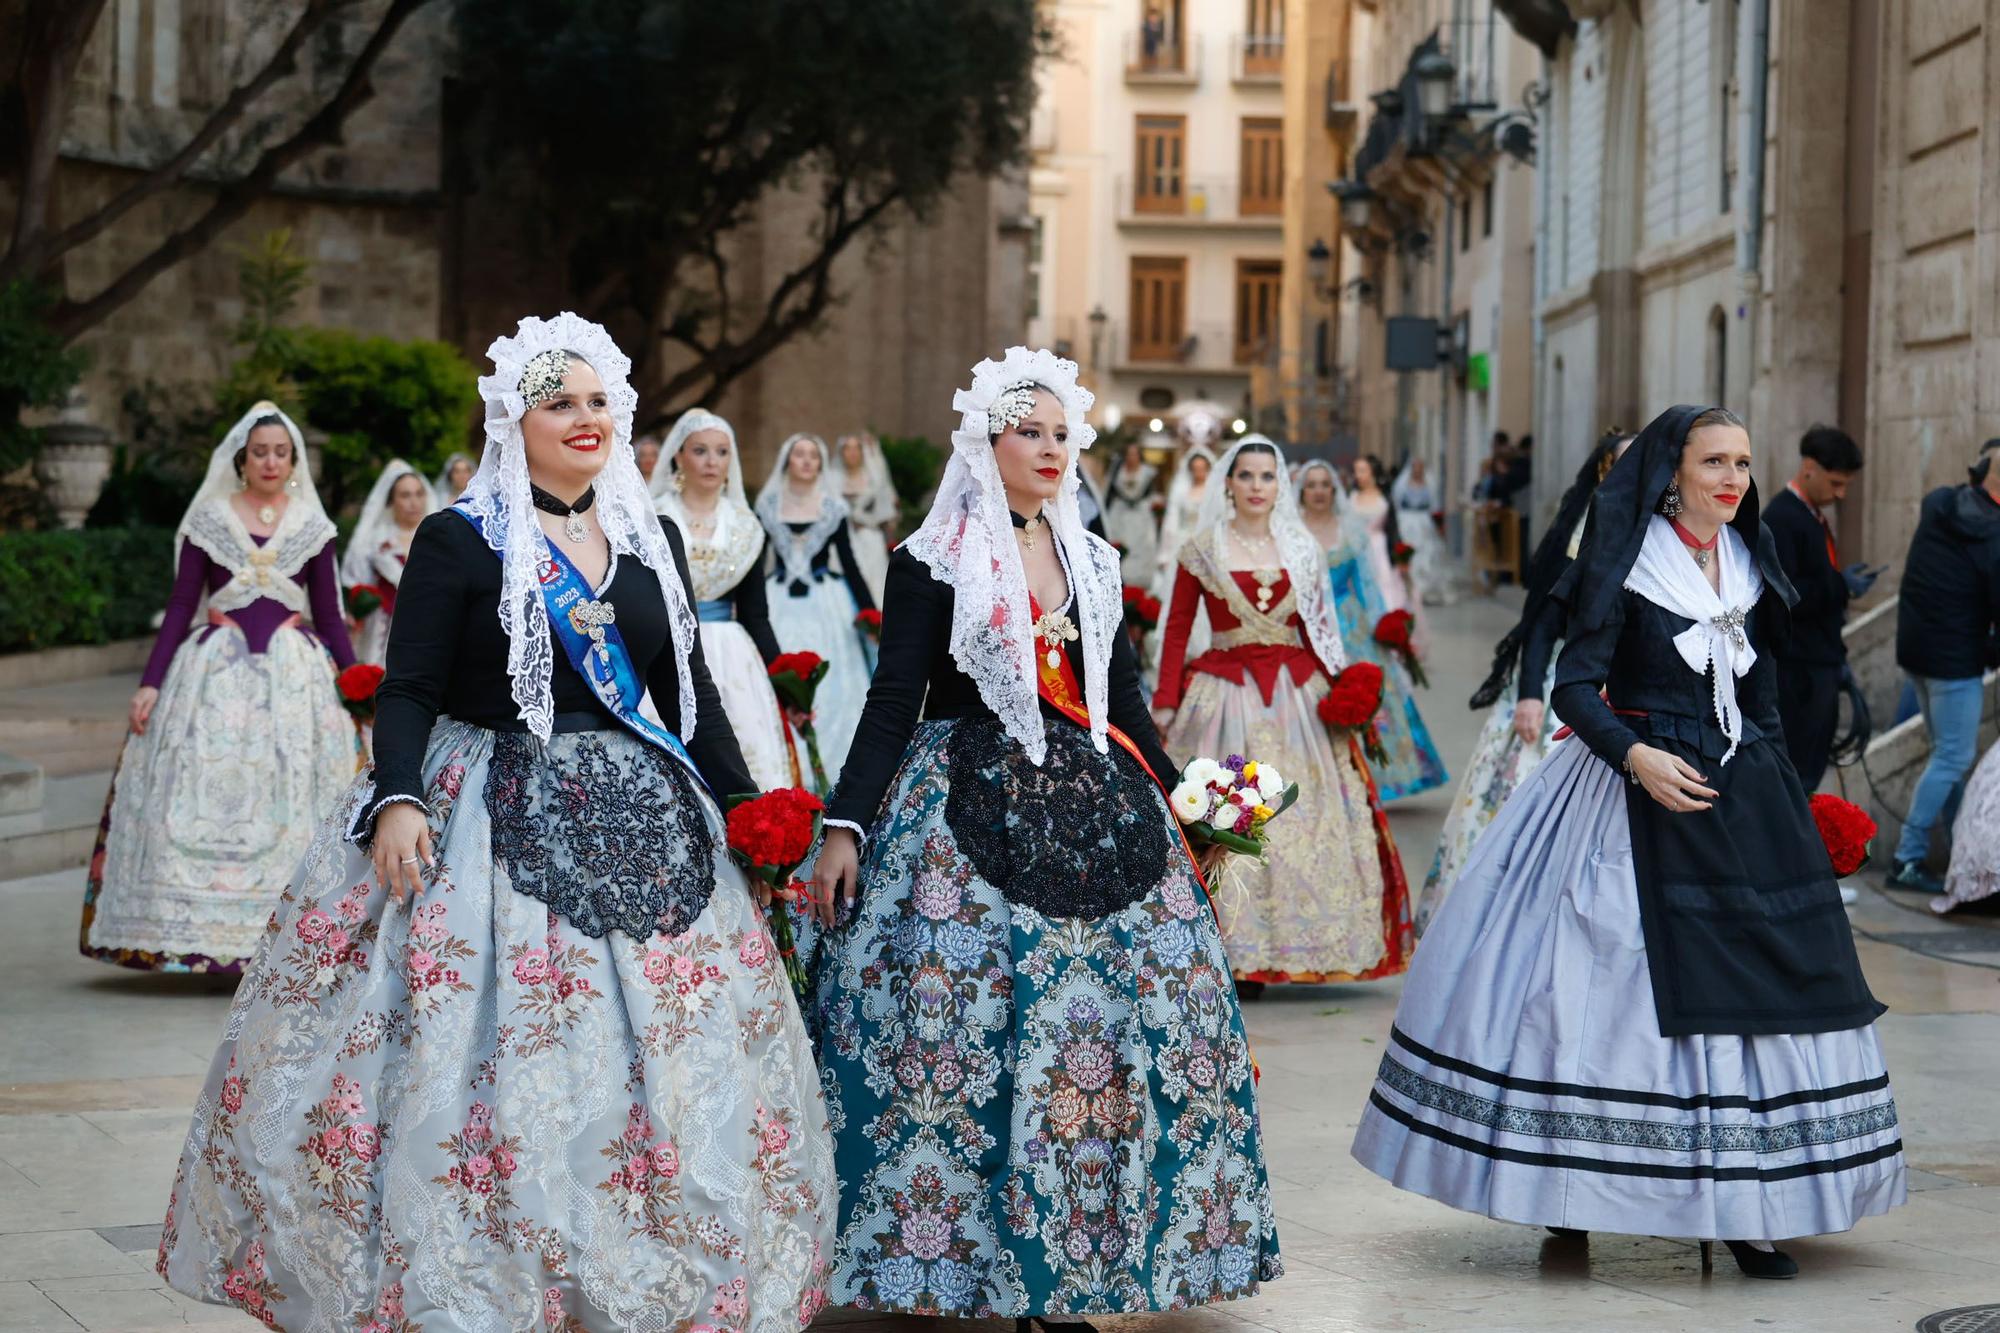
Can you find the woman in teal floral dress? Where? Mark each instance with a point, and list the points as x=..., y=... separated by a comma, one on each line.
x=1040, y=1087
x=1414, y=764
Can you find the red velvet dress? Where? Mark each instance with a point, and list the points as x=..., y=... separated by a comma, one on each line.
x=1330, y=903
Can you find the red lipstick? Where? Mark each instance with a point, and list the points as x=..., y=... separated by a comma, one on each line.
x=1050, y=472
x=1731, y=500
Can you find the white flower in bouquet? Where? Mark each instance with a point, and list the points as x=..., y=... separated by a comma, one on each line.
x=1201, y=772
x=1189, y=802
x=1270, y=786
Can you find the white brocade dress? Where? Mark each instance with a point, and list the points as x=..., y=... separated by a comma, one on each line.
x=1975, y=839
x=730, y=601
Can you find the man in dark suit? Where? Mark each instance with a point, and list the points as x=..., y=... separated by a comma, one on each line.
x=1813, y=658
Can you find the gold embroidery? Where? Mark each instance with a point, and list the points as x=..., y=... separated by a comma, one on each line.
x=1270, y=627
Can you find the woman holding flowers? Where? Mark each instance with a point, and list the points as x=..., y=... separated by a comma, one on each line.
x=1328, y=902
x=1037, y=1070
x=1408, y=760
x=1639, y=1010
x=379, y=549
x=814, y=607
x=698, y=486
x=530, y=1060
x=239, y=745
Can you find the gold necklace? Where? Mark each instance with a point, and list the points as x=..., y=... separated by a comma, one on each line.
x=1265, y=576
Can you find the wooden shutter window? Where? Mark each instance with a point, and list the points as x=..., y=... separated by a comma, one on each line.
x=1159, y=308
x=1262, y=184
x=1257, y=285
x=1159, y=172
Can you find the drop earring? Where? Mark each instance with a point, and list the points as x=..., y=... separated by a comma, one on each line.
x=1670, y=503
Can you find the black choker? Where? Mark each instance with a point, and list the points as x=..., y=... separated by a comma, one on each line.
x=1027, y=525
x=571, y=514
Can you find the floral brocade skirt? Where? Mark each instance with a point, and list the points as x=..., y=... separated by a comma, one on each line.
x=1035, y=1113
x=210, y=809
x=468, y=1113
x=1329, y=901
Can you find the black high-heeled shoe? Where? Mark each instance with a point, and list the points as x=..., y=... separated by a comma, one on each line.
x=1034, y=1323
x=1568, y=1233
x=1753, y=1262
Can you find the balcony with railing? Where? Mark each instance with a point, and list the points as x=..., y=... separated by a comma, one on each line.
x=1163, y=60
x=1257, y=58
x=1162, y=198
x=1169, y=344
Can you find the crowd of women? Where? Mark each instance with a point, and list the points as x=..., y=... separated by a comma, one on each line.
x=514, y=1045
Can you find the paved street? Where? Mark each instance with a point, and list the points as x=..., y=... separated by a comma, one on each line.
x=98, y=1068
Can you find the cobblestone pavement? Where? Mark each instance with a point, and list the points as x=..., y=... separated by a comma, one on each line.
x=99, y=1067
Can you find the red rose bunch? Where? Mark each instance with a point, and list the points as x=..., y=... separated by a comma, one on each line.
x=357, y=686
x=772, y=835
x=1846, y=829
x=1141, y=607
x=1402, y=553
x=1394, y=631
x=869, y=622
x=795, y=678
x=363, y=600
x=1351, y=705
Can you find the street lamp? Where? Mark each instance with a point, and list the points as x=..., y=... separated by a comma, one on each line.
x=1097, y=319
x=1357, y=203
x=1319, y=266
x=1434, y=74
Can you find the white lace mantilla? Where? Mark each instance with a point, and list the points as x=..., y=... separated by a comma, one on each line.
x=212, y=525
x=967, y=541
x=796, y=549
x=498, y=496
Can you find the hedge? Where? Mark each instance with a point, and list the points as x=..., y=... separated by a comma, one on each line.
x=89, y=586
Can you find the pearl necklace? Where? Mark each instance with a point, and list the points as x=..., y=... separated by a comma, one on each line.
x=1265, y=574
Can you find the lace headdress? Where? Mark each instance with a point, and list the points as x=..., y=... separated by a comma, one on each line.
x=1305, y=563
x=737, y=542
x=876, y=495
x=967, y=540
x=696, y=419
x=376, y=522
x=796, y=549
x=212, y=526
x=524, y=366
x=441, y=485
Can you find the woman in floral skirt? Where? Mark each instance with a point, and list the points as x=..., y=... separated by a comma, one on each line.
x=530, y=1061
x=1039, y=1081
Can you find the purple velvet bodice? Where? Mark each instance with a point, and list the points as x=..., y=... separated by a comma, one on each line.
x=198, y=574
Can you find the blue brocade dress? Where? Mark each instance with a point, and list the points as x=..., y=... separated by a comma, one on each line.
x=1414, y=764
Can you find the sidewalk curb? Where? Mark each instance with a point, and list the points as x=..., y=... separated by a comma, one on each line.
x=51, y=666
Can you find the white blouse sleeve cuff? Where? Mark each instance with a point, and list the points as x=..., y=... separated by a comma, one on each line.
x=860, y=834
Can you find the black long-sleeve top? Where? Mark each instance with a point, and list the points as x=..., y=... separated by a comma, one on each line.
x=915, y=677
x=753, y=611
x=1632, y=658
x=1538, y=648
x=1822, y=606
x=448, y=656
x=836, y=544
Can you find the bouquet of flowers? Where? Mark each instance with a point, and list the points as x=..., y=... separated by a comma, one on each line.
x=1401, y=554
x=357, y=686
x=363, y=600
x=1351, y=705
x=1393, y=631
x=795, y=678
x=1142, y=609
x=1437, y=521
x=771, y=835
x=869, y=622
x=1846, y=829
x=1228, y=804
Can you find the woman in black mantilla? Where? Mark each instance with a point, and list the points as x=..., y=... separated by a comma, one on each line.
x=1039, y=1081
x=813, y=607
x=1640, y=1008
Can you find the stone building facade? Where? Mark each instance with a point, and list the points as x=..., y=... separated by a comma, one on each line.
x=393, y=254
x=1847, y=273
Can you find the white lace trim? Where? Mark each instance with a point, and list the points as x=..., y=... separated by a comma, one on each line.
x=795, y=551
x=376, y=523
x=362, y=831
x=967, y=541
x=498, y=495
x=212, y=526
x=1305, y=562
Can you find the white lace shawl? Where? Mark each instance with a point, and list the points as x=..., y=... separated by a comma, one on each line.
x=441, y=490
x=796, y=550
x=1305, y=562
x=376, y=524
x=967, y=541
x=498, y=495
x=1177, y=524
x=874, y=501
x=1667, y=576
x=719, y=562
x=212, y=526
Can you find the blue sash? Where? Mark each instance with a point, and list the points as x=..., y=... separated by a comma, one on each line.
x=721, y=611
x=588, y=632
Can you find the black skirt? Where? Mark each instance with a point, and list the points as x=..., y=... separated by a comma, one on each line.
x=1745, y=932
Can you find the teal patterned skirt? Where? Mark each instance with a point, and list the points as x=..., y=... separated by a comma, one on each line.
x=1034, y=1112
x=1414, y=764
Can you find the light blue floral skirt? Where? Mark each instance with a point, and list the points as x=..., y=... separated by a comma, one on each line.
x=1034, y=1113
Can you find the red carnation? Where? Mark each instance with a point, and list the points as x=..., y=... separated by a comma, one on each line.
x=772, y=835
x=1142, y=609
x=795, y=678
x=1402, y=553
x=363, y=600
x=357, y=686
x=1846, y=829
x=1355, y=698
x=1394, y=631
x=870, y=622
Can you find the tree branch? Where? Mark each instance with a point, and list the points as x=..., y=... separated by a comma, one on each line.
x=53, y=37
x=283, y=61
x=322, y=129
